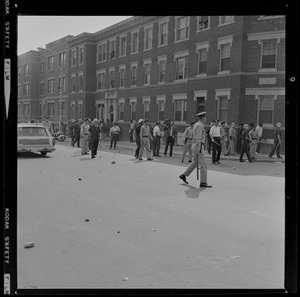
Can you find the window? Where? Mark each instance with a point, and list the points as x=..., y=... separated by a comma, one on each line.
x=112, y=78
x=203, y=22
x=42, y=89
x=122, y=77
x=146, y=103
x=161, y=110
x=51, y=63
x=19, y=110
x=80, y=78
x=268, y=58
x=19, y=91
x=26, y=90
x=62, y=108
x=202, y=61
x=63, y=84
x=222, y=108
x=181, y=68
x=182, y=28
x=121, y=111
x=112, y=49
x=147, y=67
x=26, y=69
x=50, y=109
x=19, y=71
x=81, y=55
x=148, y=38
x=225, y=57
x=200, y=101
x=180, y=110
x=80, y=107
x=162, y=70
x=266, y=109
x=134, y=42
x=73, y=110
x=163, y=33
x=26, y=109
x=62, y=59
x=101, y=81
x=42, y=67
x=50, y=88
x=134, y=75
x=133, y=110
x=73, y=83
x=73, y=57
x=102, y=52
x=122, y=46
x=226, y=19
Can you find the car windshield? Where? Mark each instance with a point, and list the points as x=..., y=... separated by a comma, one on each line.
x=32, y=131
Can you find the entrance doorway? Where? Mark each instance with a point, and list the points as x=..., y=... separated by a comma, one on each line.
x=111, y=113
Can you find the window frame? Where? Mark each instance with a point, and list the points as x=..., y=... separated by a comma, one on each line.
x=132, y=42
x=121, y=53
x=103, y=48
x=148, y=40
x=186, y=28
x=261, y=54
x=161, y=33
x=198, y=24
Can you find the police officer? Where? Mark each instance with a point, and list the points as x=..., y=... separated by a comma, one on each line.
x=198, y=152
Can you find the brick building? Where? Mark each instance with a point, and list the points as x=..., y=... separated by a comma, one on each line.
x=158, y=67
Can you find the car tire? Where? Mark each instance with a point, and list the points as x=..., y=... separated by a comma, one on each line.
x=43, y=153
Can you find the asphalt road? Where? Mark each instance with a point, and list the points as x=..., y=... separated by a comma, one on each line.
x=116, y=222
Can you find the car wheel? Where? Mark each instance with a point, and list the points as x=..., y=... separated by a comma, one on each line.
x=43, y=153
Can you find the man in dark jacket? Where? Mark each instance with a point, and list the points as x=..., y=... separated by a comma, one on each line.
x=75, y=133
x=171, y=134
x=138, y=138
x=94, y=137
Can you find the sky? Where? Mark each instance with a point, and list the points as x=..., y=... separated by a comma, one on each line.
x=37, y=31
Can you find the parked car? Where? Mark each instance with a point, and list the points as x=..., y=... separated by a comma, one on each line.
x=35, y=138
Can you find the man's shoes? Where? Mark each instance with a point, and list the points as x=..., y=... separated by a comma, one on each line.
x=183, y=178
x=250, y=161
x=170, y=155
x=226, y=154
x=149, y=159
x=190, y=161
x=218, y=162
x=140, y=159
x=279, y=157
x=205, y=186
x=182, y=161
x=215, y=163
x=242, y=161
x=158, y=155
x=270, y=157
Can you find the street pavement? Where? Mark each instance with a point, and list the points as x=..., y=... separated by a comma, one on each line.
x=116, y=222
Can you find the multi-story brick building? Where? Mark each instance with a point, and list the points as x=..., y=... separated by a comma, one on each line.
x=158, y=67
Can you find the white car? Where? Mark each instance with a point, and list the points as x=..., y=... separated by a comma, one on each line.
x=35, y=138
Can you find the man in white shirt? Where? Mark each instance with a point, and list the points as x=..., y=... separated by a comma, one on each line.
x=215, y=135
x=259, y=131
x=198, y=152
x=156, y=142
x=232, y=137
x=84, y=133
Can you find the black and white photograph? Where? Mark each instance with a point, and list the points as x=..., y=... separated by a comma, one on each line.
x=151, y=153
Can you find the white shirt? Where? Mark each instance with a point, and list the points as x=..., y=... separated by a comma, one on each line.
x=214, y=131
x=259, y=131
x=156, y=130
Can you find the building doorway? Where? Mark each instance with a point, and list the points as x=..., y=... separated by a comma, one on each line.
x=111, y=113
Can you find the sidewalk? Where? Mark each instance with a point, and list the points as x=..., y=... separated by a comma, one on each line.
x=177, y=151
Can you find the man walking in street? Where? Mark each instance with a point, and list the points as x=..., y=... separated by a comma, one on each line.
x=260, y=134
x=171, y=133
x=187, y=142
x=84, y=133
x=145, y=141
x=138, y=138
x=156, y=141
x=223, y=138
x=232, y=137
x=48, y=124
x=245, y=144
x=252, y=140
x=215, y=136
x=199, y=158
x=114, y=135
x=277, y=142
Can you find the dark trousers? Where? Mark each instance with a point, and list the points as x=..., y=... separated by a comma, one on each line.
x=209, y=144
x=245, y=149
x=156, y=146
x=113, y=140
x=216, y=149
x=276, y=148
x=94, y=146
x=170, y=141
x=76, y=139
x=131, y=135
x=138, y=143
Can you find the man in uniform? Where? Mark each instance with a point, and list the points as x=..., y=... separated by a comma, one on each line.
x=84, y=133
x=145, y=141
x=138, y=138
x=198, y=152
x=187, y=141
x=245, y=144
